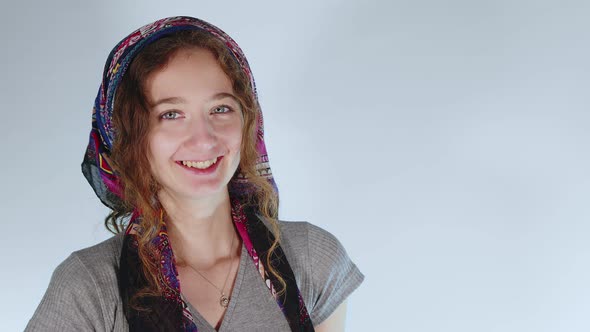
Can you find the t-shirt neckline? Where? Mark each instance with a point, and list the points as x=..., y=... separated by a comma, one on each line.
x=232, y=299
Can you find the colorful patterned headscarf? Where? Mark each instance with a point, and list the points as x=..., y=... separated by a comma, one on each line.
x=170, y=312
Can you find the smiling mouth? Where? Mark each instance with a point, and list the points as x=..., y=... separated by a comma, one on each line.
x=199, y=164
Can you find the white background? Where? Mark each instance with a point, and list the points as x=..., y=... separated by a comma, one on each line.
x=445, y=143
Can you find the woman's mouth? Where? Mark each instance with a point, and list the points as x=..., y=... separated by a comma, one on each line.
x=199, y=164
x=201, y=167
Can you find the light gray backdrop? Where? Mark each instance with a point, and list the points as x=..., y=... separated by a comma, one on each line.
x=445, y=143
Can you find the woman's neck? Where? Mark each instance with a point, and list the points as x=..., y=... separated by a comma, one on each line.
x=200, y=231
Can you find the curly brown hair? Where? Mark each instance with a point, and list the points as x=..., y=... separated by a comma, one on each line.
x=129, y=156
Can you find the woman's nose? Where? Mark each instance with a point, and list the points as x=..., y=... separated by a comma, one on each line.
x=201, y=133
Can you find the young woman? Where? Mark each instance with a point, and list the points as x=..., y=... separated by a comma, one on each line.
x=177, y=152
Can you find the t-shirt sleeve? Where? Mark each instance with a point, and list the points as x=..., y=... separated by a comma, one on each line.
x=71, y=302
x=334, y=275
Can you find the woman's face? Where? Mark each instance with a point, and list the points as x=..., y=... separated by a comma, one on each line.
x=196, y=126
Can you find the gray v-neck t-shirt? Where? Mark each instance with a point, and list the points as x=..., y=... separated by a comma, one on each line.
x=83, y=293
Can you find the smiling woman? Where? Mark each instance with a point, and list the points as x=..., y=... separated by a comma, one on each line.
x=177, y=152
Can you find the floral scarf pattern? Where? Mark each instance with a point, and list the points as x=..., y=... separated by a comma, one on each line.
x=169, y=312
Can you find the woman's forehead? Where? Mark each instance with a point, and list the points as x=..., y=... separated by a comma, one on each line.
x=188, y=73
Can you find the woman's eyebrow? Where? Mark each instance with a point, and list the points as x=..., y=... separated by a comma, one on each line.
x=222, y=95
x=170, y=100
x=180, y=100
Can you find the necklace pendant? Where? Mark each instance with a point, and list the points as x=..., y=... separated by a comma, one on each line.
x=224, y=301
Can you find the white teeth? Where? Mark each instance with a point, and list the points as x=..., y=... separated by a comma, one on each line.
x=200, y=164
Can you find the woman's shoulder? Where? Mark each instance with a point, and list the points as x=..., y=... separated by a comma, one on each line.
x=94, y=266
x=100, y=256
x=325, y=273
x=97, y=263
x=82, y=291
x=304, y=238
x=312, y=243
x=300, y=232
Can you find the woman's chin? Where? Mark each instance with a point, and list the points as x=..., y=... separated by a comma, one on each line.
x=204, y=192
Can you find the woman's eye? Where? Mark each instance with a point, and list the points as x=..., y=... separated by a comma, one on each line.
x=170, y=115
x=221, y=109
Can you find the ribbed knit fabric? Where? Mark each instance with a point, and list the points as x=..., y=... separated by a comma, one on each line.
x=83, y=293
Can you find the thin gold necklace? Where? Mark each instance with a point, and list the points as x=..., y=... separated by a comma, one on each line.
x=223, y=299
